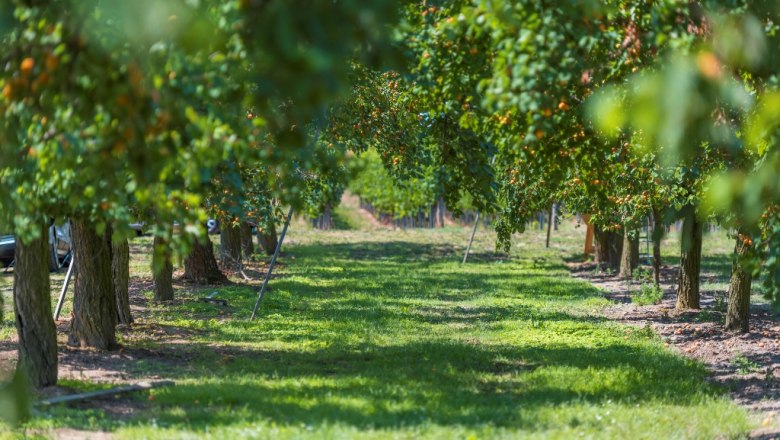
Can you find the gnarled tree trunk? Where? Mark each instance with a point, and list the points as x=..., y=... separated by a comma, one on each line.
x=162, y=271
x=267, y=239
x=32, y=308
x=230, y=247
x=200, y=266
x=738, y=313
x=690, y=263
x=94, y=303
x=247, y=245
x=120, y=271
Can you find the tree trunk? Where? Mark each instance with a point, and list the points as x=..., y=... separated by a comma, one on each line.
x=247, y=245
x=94, y=303
x=614, y=249
x=32, y=308
x=120, y=271
x=589, y=248
x=629, y=254
x=690, y=263
x=200, y=266
x=162, y=271
x=327, y=220
x=738, y=313
x=267, y=239
x=440, y=212
x=658, y=234
x=602, y=246
x=626, y=269
x=230, y=247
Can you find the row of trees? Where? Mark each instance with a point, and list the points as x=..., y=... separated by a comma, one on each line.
x=619, y=109
x=622, y=110
x=165, y=112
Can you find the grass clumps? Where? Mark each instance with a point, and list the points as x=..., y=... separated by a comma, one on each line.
x=647, y=295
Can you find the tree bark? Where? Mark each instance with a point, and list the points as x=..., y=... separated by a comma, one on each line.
x=658, y=234
x=738, y=312
x=267, y=239
x=614, y=249
x=200, y=266
x=327, y=218
x=94, y=303
x=602, y=246
x=440, y=212
x=247, y=245
x=230, y=247
x=162, y=271
x=626, y=269
x=690, y=264
x=32, y=308
x=120, y=271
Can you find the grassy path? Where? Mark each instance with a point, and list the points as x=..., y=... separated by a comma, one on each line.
x=384, y=334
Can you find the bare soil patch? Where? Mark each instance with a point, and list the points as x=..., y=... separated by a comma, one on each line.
x=748, y=364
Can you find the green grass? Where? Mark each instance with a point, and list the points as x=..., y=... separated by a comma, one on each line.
x=384, y=334
x=745, y=365
x=647, y=294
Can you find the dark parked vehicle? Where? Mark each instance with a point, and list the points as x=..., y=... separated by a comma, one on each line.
x=7, y=246
x=59, y=243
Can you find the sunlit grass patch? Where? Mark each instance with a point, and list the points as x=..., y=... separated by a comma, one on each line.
x=385, y=334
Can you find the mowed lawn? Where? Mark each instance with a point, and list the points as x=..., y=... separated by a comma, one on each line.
x=377, y=333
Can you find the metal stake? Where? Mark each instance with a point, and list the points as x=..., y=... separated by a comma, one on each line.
x=273, y=263
x=65, y=284
x=471, y=240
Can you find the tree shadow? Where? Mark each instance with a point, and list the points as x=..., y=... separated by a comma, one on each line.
x=328, y=355
x=439, y=382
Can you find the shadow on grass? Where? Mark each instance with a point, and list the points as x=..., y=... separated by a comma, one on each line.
x=446, y=383
x=320, y=362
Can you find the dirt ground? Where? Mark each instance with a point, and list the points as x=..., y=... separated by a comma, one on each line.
x=155, y=344
x=748, y=364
